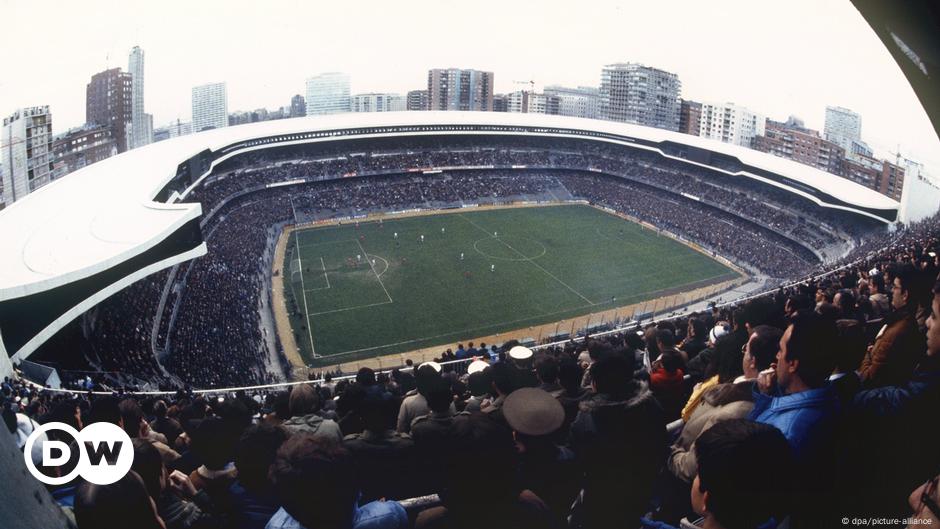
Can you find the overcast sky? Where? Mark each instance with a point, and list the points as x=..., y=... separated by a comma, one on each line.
x=777, y=58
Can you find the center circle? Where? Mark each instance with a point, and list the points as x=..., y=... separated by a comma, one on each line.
x=509, y=248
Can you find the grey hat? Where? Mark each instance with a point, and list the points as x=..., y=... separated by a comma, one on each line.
x=532, y=411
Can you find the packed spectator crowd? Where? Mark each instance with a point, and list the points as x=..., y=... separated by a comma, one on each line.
x=802, y=408
x=209, y=328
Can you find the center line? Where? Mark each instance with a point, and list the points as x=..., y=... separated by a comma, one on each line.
x=525, y=258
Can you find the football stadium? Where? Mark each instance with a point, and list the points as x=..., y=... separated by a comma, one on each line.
x=603, y=307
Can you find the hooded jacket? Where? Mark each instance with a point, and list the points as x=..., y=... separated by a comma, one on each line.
x=316, y=425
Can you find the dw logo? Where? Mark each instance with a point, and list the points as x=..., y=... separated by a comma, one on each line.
x=105, y=453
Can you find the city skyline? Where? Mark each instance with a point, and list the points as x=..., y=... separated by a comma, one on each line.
x=830, y=53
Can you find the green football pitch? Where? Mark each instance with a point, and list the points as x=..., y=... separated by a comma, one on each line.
x=357, y=291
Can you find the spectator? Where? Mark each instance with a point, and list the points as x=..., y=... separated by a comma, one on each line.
x=253, y=498
x=124, y=503
x=877, y=416
x=416, y=402
x=797, y=400
x=546, y=369
x=165, y=489
x=383, y=457
x=169, y=427
x=547, y=469
x=899, y=345
x=485, y=461
x=315, y=482
x=721, y=403
x=619, y=437
x=727, y=491
x=304, y=405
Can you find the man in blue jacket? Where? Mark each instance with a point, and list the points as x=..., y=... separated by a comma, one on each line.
x=796, y=398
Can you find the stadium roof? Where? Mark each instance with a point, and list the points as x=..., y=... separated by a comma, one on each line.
x=104, y=214
x=80, y=239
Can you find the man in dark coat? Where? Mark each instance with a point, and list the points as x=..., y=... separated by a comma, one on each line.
x=619, y=437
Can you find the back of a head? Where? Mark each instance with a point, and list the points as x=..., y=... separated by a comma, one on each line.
x=160, y=409
x=366, y=376
x=255, y=452
x=213, y=443
x=132, y=416
x=504, y=377
x=479, y=383
x=570, y=374
x=440, y=396
x=666, y=339
x=672, y=361
x=546, y=367
x=122, y=504
x=105, y=409
x=728, y=454
x=813, y=341
x=304, y=400
x=314, y=481
x=612, y=373
x=425, y=377
x=377, y=409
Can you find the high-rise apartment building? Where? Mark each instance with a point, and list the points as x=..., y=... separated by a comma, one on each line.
x=458, y=89
x=633, y=93
x=730, y=123
x=843, y=127
x=378, y=103
x=142, y=123
x=328, y=93
x=531, y=103
x=109, y=102
x=690, y=117
x=298, y=106
x=580, y=102
x=210, y=107
x=793, y=141
x=26, y=140
x=417, y=100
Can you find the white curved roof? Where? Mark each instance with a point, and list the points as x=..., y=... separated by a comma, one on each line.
x=103, y=214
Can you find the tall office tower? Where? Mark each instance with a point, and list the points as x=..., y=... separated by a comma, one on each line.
x=690, y=117
x=210, y=107
x=730, y=123
x=580, y=102
x=328, y=93
x=26, y=138
x=633, y=93
x=142, y=131
x=298, y=107
x=378, y=103
x=843, y=127
x=456, y=89
x=417, y=100
x=109, y=102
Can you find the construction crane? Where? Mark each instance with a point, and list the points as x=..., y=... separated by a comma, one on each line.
x=530, y=83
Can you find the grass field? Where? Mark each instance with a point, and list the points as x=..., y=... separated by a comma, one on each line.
x=365, y=292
